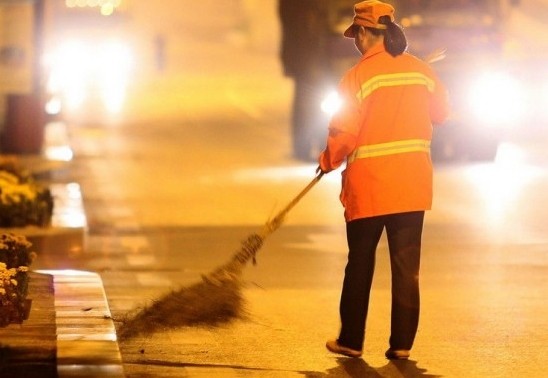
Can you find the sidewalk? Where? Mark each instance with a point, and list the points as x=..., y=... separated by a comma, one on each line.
x=69, y=332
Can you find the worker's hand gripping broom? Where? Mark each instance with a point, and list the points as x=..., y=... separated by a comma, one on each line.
x=216, y=299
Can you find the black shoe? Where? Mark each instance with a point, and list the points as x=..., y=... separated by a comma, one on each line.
x=397, y=354
x=334, y=347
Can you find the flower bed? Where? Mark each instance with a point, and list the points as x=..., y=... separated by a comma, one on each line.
x=52, y=218
x=23, y=201
x=15, y=259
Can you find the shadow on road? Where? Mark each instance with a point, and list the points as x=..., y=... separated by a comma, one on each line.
x=348, y=368
x=358, y=368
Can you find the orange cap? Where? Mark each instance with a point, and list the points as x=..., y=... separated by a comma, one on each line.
x=367, y=13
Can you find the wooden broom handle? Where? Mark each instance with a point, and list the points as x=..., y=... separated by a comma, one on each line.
x=275, y=222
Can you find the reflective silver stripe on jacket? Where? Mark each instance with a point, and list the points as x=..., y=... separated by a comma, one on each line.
x=390, y=148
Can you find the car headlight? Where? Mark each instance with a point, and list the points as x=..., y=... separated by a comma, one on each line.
x=68, y=70
x=497, y=98
x=78, y=68
x=331, y=103
x=112, y=70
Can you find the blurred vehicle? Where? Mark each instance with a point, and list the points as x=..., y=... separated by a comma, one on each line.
x=486, y=95
x=87, y=64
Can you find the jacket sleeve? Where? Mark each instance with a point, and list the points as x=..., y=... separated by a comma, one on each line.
x=439, y=102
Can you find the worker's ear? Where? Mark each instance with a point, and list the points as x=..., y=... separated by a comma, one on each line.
x=360, y=33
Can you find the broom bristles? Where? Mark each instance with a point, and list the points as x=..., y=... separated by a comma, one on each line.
x=216, y=299
x=200, y=304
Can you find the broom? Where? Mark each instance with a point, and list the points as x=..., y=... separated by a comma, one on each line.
x=214, y=300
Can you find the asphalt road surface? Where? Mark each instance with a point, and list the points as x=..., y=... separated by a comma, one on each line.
x=201, y=159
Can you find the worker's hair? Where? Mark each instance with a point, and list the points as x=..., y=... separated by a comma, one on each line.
x=395, y=41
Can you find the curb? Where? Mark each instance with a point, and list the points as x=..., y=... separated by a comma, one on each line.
x=86, y=337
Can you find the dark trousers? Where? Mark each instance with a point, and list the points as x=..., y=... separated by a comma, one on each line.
x=404, y=232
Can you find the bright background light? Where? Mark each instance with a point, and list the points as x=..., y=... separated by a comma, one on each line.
x=79, y=68
x=113, y=67
x=501, y=183
x=106, y=7
x=497, y=98
x=544, y=101
x=331, y=103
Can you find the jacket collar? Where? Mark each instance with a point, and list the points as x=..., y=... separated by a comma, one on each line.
x=377, y=49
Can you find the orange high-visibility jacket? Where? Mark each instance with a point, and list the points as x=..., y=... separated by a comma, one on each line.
x=383, y=131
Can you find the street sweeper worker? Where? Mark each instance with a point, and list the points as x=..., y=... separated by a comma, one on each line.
x=391, y=100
